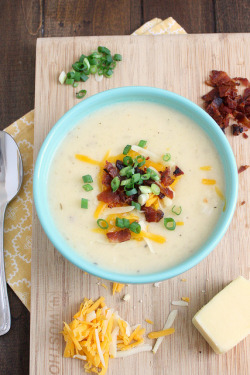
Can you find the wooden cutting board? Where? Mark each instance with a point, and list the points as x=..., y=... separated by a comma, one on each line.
x=178, y=63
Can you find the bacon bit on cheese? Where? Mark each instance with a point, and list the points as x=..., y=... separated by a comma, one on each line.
x=99, y=209
x=96, y=341
x=206, y=168
x=149, y=321
x=164, y=332
x=179, y=222
x=186, y=299
x=207, y=181
x=117, y=288
x=86, y=159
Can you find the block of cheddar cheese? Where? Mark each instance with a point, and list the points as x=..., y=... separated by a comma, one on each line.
x=225, y=320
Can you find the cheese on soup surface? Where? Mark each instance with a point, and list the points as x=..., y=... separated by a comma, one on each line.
x=191, y=202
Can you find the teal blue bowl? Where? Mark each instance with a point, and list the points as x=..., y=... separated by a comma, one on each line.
x=123, y=94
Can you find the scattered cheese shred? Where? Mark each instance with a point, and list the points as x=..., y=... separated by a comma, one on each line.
x=207, y=181
x=164, y=332
x=96, y=333
x=168, y=324
x=206, y=168
x=104, y=285
x=179, y=222
x=186, y=299
x=145, y=153
x=153, y=237
x=175, y=182
x=184, y=280
x=99, y=209
x=149, y=321
x=117, y=288
x=179, y=303
x=86, y=159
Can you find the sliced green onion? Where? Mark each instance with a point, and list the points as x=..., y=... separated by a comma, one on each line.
x=136, y=205
x=77, y=76
x=103, y=224
x=131, y=192
x=145, y=176
x=84, y=77
x=169, y=223
x=142, y=143
x=82, y=58
x=93, y=69
x=86, y=62
x=103, y=50
x=122, y=223
x=78, y=66
x=75, y=84
x=139, y=161
x=128, y=160
x=166, y=157
x=62, y=77
x=135, y=227
x=87, y=178
x=129, y=185
x=115, y=183
x=136, y=177
x=108, y=73
x=87, y=187
x=140, y=182
x=126, y=182
x=81, y=94
x=126, y=150
x=117, y=57
x=130, y=172
x=153, y=175
x=109, y=59
x=84, y=203
x=69, y=81
x=177, y=210
x=155, y=189
x=125, y=170
x=145, y=189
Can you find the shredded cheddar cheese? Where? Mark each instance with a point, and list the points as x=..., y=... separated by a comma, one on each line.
x=175, y=182
x=92, y=341
x=86, y=159
x=179, y=222
x=99, y=209
x=207, y=181
x=149, y=321
x=206, y=168
x=104, y=286
x=164, y=332
x=117, y=288
x=186, y=299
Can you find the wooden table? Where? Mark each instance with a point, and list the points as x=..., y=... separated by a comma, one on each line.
x=23, y=21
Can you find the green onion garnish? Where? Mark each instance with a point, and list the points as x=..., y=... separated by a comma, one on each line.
x=84, y=203
x=115, y=183
x=125, y=170
x=166, y=157
x=81, y=94
x=177, y=210
x=93, y=69
x=126, y=182
x=153, y=175
x=155, y=189
x=145, y=176
x=136, y=177
x=75, y=84
x=145, y=189
x=84, y=77
x=87, y=187
x=103, y=224
x=126, y=150
x=169, y=223
x=131, y=192
x=137, y=205
x=142, y=143
x=87, y=178
x=103, y=50
x=135, y=227
x=128, y=160
x=139, y=161
x=117, y=57
x=122, y=223
x=69, y=81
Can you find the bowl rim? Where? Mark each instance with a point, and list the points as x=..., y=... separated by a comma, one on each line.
x=77, y=259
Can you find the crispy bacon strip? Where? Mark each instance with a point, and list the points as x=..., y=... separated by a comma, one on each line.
x=108, y=196
x=119, y=235
x=178, y=172
x=166, y=180
x=111, y=169
x=152, y=215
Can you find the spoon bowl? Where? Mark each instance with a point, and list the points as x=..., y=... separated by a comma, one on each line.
x=11, y=176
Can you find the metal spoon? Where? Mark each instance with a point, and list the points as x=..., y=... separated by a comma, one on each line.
x=11, y=176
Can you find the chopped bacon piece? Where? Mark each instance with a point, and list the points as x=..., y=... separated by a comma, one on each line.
x=119, y=164
x=161, y=195
x=106, y=179
x=211, y=95
x=178, y=171
x=111, y=169
x=218, y=78
x=237, y=129
x=166, y=180
x=245, y=135
x=242, y=203
x=119, y=235
x=152, y=215
x=243, y=168
x=110, y=197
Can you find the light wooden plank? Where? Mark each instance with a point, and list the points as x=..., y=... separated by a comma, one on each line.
x=180, y=64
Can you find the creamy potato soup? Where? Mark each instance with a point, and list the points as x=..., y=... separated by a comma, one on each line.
x=174, y=143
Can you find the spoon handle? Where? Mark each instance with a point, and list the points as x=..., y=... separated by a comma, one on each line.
x=5, y=320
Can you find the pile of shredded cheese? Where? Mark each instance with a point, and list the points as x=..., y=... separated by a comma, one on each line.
x=98, y=333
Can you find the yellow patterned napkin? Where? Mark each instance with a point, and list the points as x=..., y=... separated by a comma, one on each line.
x=18, y=219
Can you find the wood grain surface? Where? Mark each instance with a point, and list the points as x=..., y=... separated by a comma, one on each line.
x=58, y=287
